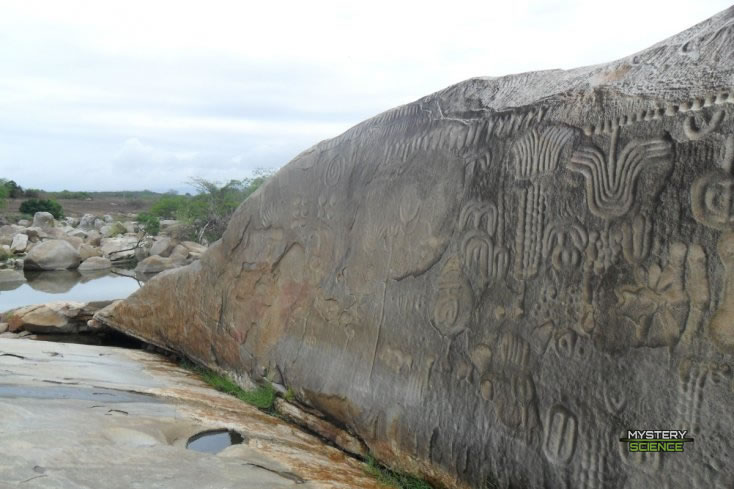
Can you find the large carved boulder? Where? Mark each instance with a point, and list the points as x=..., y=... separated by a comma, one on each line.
x=497, y=281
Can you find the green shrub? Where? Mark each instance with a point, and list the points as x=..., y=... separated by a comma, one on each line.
x=31, y=206
x=168, y=206
x=151, y=224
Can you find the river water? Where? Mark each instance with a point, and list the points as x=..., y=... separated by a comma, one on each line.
x=67, y=285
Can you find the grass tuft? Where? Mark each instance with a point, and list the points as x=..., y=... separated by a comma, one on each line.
x=391, y=478
x=262, y=398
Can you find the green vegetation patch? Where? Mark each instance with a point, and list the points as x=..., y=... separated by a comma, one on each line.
x=31, y=206
x=391, y=478
x=262, y=398
x=151, y=224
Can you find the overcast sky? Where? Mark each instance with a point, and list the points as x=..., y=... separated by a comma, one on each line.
x=103, y=95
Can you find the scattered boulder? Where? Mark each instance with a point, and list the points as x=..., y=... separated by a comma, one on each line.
x=95, y=263
x=195, y=249
x=86, y=223
x=54, y=317
x=55, y=254
x=78, y=233
x=107, y=218
x=44, y=220
x=35, y=234
x=114, y=229
x=73, y=241
x=24, y=222
x=88, y=251
x=72, y=221
x=98, y=224
x=20, y=243
x=94, y=238
x=163, y=246
x=120, y=248
x=157, y=264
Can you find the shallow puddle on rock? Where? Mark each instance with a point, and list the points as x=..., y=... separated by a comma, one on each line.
x=214, y=441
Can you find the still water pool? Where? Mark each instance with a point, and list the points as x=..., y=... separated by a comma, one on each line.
x=67, y=285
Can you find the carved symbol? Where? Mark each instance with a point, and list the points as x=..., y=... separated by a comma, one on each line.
x=479, y=215
x=693, y=133
x=658, y=305
x=565, y=245
x=611, y=183
x=409, y=206
x=532, y=204
x=721, y=329
x=333, y=171
x=537, y=152
x=636, y=239
x=454, y=299
x=712, y=194
x=484, y=259
x=560, y=435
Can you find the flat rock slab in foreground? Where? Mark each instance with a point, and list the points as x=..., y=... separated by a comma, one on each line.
x=76, y=416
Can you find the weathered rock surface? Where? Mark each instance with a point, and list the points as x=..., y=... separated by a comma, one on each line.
x=163, y=247
x=54, y=254
x=157, y=263
x=499, y=279
x=43, y=220
x=120, y=248
x=19, y=244
x=95, y=263
x=84, y=416
x=54, y=317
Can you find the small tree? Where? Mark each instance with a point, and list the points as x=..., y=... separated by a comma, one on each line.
x=151, y=224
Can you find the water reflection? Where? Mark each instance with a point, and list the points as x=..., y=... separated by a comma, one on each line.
x=41, y=287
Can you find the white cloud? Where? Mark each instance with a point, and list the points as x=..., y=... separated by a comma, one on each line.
x=206, y=88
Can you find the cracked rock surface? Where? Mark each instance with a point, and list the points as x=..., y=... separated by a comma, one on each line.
x=74, y=416
x=498, y=280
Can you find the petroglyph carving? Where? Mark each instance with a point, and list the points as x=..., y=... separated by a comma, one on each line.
x=636, y=239
x=693, y=133
x=690, y=394
x=532, y=204
x=485, y=260
x=561, y=433
x=712, y=194
x=479, y=215
x=409, y=206
x=334, y=170
x=698, y=291
x=721, y=328
x=454, y=300
x=659, y=305
x=594, y=470
x=570, y=345
x=564, y=244
x=537, y=152
x=508, y=383
x=327, y=207
x=611, y=182
x=614, y=397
